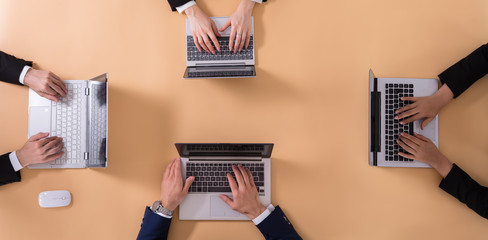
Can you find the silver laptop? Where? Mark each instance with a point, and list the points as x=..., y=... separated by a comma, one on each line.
x=80, y=118
x=224, y=64
x=384, y=100
x=210, y=163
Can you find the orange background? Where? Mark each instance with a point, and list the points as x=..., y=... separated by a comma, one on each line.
x=310, y=99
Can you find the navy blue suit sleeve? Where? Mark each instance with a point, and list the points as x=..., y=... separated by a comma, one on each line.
x=460, y=185
x=277, y=226
x=154, y=226
x=467, y=71
x=176, y=3
x=7, y=172
x=11, y=67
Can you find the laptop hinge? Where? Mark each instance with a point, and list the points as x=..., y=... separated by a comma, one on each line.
x=221, y=158
x=87, y=91
x=86, y=156
x=375, y=122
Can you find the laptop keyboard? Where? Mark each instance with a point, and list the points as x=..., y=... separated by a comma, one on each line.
x=393, y=93
x=213, y=74
x=68, y=124
x=212, y=177
x=224, y=54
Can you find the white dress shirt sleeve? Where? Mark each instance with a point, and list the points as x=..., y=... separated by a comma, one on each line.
x=183, y=7
x=258, y=1
x=15, y=161
x=23, y=73
x=264, y=214
x=164, y=215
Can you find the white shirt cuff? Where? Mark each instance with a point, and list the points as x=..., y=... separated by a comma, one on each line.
x=264, y=215
x=23, y=73
x=258, y=1
x=183, y=7
x=164, y=215
x=15, y=161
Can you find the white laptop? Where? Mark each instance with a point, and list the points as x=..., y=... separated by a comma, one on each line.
x=80, y=118
x=210, y=163
x=384, y=100
x=224, y=64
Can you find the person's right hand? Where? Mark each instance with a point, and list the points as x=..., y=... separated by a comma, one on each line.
x=40, y=149
x=423, y=149
x=202, y=28
x=424, y=107
x=245, y=195
x=46, y=84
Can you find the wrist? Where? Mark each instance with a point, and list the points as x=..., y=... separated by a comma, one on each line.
x=443, y=166
x=445, y=95
x=20, y=157
x=247, y=5
x=191, y=11
x=27, y=77
x=257, y=212
x=168, y=205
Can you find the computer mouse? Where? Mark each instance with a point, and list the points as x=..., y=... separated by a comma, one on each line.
x=50, y=199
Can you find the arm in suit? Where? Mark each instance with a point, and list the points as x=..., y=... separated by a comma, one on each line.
x=460, y=185
x=468, y=70
x=277, y=226
x=176, y=3
x=11, y=67
x=7, y=172
x=153, y=226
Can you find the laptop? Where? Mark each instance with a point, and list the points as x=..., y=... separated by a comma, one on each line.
x=210, y=163
x=384, y=100
x=224, y=64
x=80, y=118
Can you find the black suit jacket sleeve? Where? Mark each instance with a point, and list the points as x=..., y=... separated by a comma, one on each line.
x=277, y=226
x=460, y=185
x=153, y=226
x=7, y=172
x=176, y=3
x=464, y=73
x=11, y=67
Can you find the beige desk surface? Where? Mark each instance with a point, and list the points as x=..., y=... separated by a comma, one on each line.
x=310, y=99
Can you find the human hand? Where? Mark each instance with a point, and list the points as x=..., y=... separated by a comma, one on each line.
x=202, y=28
x=40, y=149
x=46, y=84
x=424, y=107
x=245, y=195
x=172, y=189
x=423, y=149
x=241, y=26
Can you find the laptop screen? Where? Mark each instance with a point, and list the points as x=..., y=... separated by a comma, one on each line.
x=224, y=149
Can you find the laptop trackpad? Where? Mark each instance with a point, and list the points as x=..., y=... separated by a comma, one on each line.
x=39, y=120
x=219, y=208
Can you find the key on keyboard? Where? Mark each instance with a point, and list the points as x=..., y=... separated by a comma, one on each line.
x=194, y=55
x=212, y=177
x=393, y=93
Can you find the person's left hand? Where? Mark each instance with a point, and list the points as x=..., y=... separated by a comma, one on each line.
x=46, y=84
x=172, y=189
x=241, y=26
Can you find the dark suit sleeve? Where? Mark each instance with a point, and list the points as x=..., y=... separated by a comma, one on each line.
x=7, y=172
x=460, y=185
x=277, y=226
x=176, y=3
x=11, y=67
x=464, y=73
x=153, y=226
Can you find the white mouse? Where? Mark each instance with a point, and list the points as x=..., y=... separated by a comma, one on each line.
x=50, y=199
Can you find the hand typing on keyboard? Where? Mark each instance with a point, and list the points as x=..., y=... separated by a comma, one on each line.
x=245, y=195
x=203, y=28
x=40, y=149
x=46, y=84
x=173, y=191
x=241, y=26
x=424, y=107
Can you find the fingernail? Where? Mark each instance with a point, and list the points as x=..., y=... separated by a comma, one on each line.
x=396, y=117
x=402, y=123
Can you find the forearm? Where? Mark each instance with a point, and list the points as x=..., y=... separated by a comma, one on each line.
x=11, y=68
